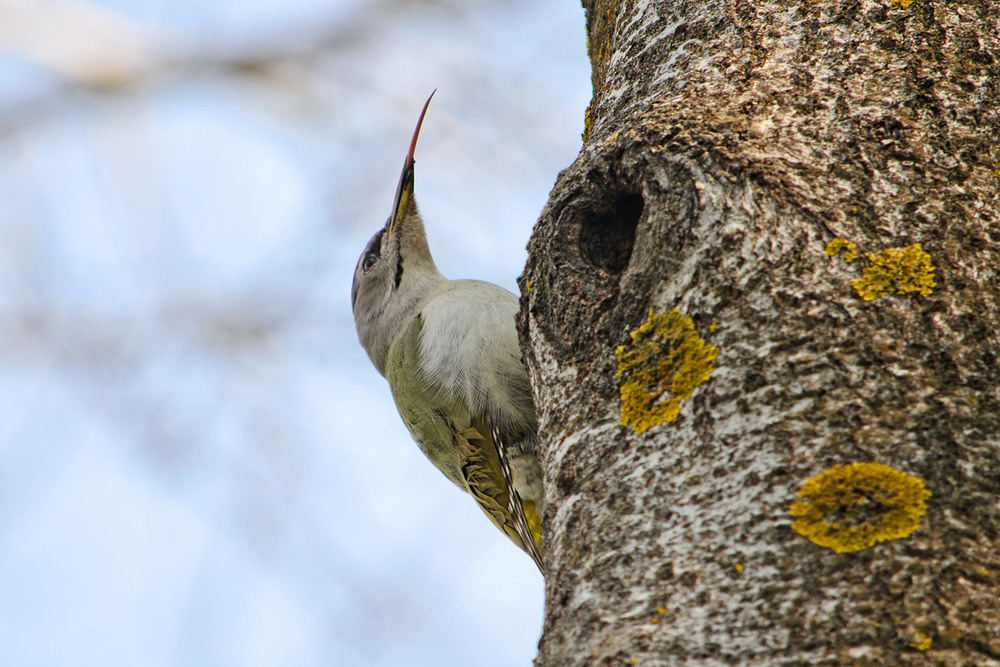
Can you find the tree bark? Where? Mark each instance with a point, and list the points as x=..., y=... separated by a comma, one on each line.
x=760, y=313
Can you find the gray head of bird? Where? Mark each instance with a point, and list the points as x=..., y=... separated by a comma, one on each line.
x=396, y=271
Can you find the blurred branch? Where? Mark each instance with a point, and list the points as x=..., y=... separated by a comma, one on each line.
x=98, y=51
x=79, y=40
x=102, y=344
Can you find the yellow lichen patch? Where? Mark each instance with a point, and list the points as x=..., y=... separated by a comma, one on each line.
x=923, y=642
x=739, y=567
x=855, y=506
x=836, y=245
x=900, y=4
x=898, y=270
x=660, y=369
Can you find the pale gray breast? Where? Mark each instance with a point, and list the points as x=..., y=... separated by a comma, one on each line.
x=469, y=347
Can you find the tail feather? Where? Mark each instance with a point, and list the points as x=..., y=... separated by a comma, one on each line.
x=516, y=507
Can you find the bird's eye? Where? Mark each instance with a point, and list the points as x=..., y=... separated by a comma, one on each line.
x=368, y=263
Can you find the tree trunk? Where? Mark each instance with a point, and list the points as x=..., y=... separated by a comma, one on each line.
x=760, y=313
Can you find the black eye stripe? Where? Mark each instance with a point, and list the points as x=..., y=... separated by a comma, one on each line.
x=373, y=250
x=375, y=245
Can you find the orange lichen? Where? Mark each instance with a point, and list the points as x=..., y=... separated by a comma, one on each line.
x=660, y=369
x=898, y=270
x=836, y=245
x=900, y=4
x=855, y=506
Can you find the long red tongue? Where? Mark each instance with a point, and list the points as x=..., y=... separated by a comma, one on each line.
x=416, y=132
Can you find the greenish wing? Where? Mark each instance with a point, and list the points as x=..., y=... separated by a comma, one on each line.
x=425, y=412
x=484, y=475
x=464, y=447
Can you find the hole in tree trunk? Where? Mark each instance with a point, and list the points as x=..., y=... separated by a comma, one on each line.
x=607, y=234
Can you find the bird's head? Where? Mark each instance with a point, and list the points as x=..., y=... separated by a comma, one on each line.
x=396, y=269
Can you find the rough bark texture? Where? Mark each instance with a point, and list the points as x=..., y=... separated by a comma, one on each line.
x=727, y=144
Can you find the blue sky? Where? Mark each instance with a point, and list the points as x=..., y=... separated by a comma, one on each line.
x=198, y=465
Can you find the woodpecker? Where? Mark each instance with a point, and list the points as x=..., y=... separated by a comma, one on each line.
x=450, y=353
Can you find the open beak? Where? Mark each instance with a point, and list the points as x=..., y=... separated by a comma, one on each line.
x=404, y=191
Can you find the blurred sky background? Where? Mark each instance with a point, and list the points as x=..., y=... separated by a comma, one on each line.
x=198, y=464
